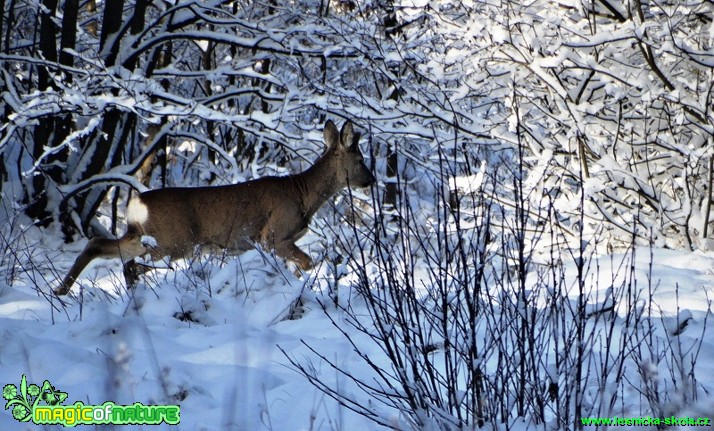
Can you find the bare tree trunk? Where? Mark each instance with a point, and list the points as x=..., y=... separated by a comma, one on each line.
x=53, y=129
x=6, y=109
x=104, y=149
x=69, y=33
x=391, y=29
x=64, y=123
x=710, y=194
x=207, y=64
x=2, y=23
x=36, y=192
x=111, y=24
x=161, y=58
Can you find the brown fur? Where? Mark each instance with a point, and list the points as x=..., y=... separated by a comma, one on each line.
x=271, y=211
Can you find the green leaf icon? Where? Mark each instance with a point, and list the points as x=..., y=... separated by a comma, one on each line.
x=23, y=387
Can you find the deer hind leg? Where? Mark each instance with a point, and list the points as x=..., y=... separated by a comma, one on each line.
x=127, y=247
x=288, y=250
x=96, y=247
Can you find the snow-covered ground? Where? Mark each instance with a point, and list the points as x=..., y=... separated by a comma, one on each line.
x=212, y=350
x=209, y=337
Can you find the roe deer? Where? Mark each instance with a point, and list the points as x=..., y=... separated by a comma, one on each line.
x=271, y=211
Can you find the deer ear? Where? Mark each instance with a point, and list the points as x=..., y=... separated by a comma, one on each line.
x=355, y=140
x=347, y=135
x=330, y=133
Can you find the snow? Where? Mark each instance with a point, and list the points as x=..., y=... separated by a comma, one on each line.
x=221, y=363
x=208, y=335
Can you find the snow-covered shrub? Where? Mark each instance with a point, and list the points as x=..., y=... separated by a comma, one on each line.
x=481, y=311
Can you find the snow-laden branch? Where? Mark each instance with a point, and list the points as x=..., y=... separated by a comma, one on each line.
x=113, y=177
x=262, y=43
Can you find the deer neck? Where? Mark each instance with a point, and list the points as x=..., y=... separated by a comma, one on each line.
x=318, y=184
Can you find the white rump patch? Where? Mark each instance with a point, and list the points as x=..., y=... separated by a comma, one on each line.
x=137, y=212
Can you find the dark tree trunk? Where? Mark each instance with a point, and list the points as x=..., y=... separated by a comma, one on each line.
x=391, y=30
x=5, y=27
x=111, y=24
x=36, y=197
x=104, y=149
x=69, y=33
